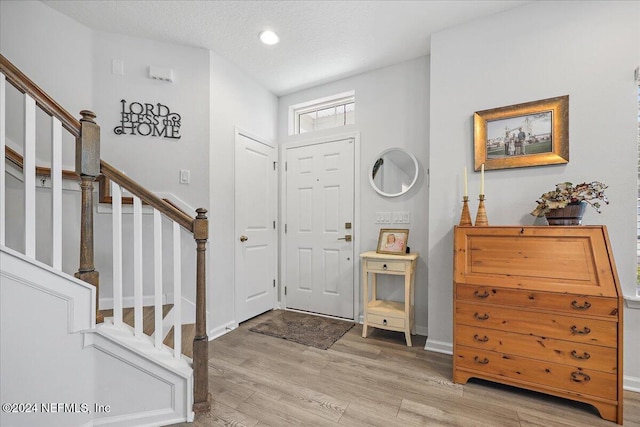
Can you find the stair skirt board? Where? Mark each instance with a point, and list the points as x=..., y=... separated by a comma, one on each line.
x=163, y=384
x=79, y=295
x=141, y=384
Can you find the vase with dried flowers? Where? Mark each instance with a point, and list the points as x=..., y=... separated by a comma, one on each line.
x=566, y=204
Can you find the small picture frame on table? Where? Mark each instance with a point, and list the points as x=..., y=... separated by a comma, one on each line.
x=393, y=241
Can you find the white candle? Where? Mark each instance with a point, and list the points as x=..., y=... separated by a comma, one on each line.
x=466, y=192
x=482, y=179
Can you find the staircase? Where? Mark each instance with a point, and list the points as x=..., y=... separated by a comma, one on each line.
x=135, y=363
x=149, y=327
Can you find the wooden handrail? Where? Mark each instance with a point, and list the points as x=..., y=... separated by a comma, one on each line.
x=25, y=85
x=146, y=196
x=104, y=191
x=17, y=159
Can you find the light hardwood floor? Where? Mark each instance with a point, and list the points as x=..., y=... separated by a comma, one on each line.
x=257, y=380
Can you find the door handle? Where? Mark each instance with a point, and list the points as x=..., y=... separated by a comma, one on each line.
x=347, y=238
x=243, y=238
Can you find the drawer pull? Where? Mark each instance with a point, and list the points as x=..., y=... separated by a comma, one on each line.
x=384, y=322
x=584, y=306
x=481, y=362
x=585, y=355
x=483, y=317
x=478, y=339
x=579, y=377
x=384, y=266
x=584, y=331
x=484, y=294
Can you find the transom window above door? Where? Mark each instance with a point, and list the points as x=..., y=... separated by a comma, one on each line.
x=324, y=113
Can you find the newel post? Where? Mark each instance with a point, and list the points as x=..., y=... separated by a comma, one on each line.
x=88, y=167
x=201, y=397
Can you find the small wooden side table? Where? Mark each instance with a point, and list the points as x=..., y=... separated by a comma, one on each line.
x=384, y=314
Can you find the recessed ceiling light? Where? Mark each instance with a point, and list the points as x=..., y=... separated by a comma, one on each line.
x=269, y=37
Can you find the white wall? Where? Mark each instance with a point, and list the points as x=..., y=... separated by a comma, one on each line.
x=392, y=110
x=56, y=53
x=155, y=162
x=587, y=50
x=236, y=100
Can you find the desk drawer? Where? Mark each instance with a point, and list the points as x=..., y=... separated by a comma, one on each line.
x=379, y=321
x=576, y=329
x=383, y=266
x=580, y=355
x=582, y=381
x=582, y=305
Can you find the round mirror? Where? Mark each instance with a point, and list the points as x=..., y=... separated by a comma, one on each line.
x=393, y=172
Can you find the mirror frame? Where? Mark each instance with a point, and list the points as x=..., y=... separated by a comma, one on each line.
x=415, y=178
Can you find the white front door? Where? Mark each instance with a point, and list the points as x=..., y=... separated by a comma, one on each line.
x=319, y=219
x=255, y=226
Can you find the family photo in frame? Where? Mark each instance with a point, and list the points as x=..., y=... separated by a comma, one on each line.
x=393, y=241
x=529, y=134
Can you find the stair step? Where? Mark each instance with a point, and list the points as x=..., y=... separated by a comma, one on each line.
x=148, y=325
x=188, y=333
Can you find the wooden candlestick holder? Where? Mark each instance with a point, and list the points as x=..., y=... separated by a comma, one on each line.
x=481, y=216
x=465, y=217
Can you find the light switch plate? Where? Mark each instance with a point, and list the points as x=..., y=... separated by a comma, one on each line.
x=383, y=217
x=185, y=176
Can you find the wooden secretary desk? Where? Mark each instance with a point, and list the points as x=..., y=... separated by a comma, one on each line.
x=540, y=308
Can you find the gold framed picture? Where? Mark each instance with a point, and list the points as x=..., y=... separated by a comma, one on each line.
x=393, y=241
x=529, y=134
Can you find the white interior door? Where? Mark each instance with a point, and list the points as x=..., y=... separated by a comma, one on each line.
x=255, y=226
x=319, y=215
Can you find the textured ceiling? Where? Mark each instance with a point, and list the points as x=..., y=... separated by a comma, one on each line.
x=320, y=41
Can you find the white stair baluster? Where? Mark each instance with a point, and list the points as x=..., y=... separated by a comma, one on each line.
x=56, y=193
x=3, y=130
x=116, y=203
x=177, y=292
x=29, y=174
x=137, y=265
x=157, y=276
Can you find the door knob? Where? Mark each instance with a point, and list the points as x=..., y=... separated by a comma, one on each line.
x=347, y=237
x=243, y=238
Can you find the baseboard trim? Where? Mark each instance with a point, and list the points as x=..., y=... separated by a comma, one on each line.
x=149, y=418
x=630, y=383
x=221, y=330
x=422, y=330
x=439, y=346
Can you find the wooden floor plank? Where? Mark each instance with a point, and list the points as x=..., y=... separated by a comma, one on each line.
x=260, y=381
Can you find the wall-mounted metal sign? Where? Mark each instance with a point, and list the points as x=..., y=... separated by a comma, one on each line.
x=148, y=120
